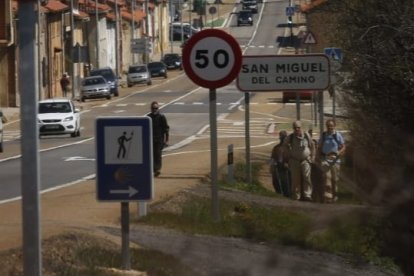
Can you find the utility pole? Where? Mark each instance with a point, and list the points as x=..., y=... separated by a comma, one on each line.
x=171, y=36
x=97, y=33
x=30, y=176
x=117, y=39
x=147, y=30
x=72, y=44
x=133, y=28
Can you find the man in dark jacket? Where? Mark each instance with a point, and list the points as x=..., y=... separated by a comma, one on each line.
x=160, y=135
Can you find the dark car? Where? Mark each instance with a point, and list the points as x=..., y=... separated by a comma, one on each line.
x=250, y=5
x=110, y=77
x=291, y=95
x=245, y=17
x=157, y=69
x=181, y=30
x=173, y=61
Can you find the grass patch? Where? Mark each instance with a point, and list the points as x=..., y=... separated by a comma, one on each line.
x=241, y=220
x=83, y=254
x=357, y=234
x=240, y=181
x=215, y=23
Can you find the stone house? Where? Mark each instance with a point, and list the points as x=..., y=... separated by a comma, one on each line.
x=102, y=34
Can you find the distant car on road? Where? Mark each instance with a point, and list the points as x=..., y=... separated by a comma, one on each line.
x=250, y=5
x=1, y=131
x=245, y=17
x=110, y=77
x=183, y=30
x=173, y=61
x=138, y=74
x=291, y=95
x=157, y=69
x=58, y=116
x=95, y=87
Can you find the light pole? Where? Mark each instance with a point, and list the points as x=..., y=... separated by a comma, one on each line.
x=117, y=39
x=147, y=30
x=133, y=28
x=72, y=43
x=97, y=33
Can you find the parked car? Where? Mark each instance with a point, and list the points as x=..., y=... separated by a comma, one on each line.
x=95, y=87
x=157, y=69
x=250, y=5
x=184, y=30
x=291, y=95
x=110, y=77
x=1, y=131
x=138, y=74
x=173, y=61
x=58, y=116
x=245, y=17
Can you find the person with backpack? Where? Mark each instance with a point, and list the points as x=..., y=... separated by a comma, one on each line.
x=279, y=167
x=331, y=147
x=301, y=154
x=64, y=84
x=160, y=136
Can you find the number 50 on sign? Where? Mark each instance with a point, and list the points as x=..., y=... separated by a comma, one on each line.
x=212, y=58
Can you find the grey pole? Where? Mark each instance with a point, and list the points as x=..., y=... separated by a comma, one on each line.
x=247, y=136
x=126, y=257
x=315, y=107
x=297, y=105
x=333, y=102
x=39, y=65
x=321, y=121
x=117, y=38
x=97, y=34
x=147, y=30
x=133, y=28
x=72, y=43
x=213, y=152
x=170, y=35
x=32, y=262
x=230, y=164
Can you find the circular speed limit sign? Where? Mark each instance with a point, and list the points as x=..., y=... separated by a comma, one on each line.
x=212, y=58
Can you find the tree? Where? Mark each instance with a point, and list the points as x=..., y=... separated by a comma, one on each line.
x=377, y=37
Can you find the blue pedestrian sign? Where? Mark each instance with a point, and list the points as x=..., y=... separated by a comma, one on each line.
x=124, y=159
x=334, y=53
x=290, y=11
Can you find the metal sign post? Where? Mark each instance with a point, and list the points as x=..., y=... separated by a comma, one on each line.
x=124, y=166
x=247, y=137
x=212, y=59
x=32, y=262
x=230, y=164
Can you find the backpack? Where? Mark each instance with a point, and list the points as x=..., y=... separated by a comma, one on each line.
x=334, y=136
x=308, y=138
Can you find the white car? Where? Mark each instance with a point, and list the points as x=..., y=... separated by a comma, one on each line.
x=1, y=131
x=58, y=116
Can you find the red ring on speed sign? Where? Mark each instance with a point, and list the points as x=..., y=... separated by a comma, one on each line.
x=212, y=58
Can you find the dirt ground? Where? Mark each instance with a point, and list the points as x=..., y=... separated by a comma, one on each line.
x=75, y=209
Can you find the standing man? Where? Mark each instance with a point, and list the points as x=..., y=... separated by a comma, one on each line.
x=279, y=167
x=331, y=147
x=160, y=135
x=64, y=84
x=301, y=154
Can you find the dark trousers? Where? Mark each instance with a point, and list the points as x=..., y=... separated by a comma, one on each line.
x=281, y=180
x=157, y=155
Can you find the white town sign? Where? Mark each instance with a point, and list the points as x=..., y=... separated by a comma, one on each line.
x=282, y=72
